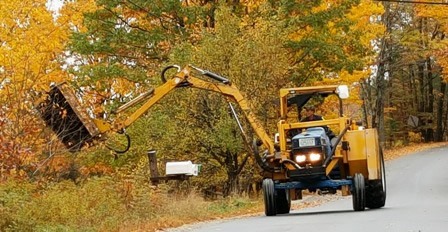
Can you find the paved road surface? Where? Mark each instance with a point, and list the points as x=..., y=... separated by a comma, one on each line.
x=417, y=201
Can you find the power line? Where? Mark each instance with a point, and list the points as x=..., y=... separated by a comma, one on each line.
x=414, y=2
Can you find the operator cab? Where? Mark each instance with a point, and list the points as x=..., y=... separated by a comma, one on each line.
x=311, y=146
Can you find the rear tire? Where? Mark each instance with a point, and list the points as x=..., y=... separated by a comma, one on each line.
x=375, y=196
x=269, y=197
x=283, y=201
x=358, y=193
x=376, y=189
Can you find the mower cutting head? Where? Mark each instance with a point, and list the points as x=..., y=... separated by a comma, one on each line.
x=63, y=114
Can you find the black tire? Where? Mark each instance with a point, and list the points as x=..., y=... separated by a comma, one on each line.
x=269, y=198
x=375, y=196
x=283, y=201
x=376, y=189
x=359, y=193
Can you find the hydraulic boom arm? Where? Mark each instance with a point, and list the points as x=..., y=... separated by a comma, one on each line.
x=185, y=79
x=94, y=128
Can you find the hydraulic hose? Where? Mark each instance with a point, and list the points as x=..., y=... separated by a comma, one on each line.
x=128, y=145
x=212, y=75
x=168, y=68
x=338, y=139
x=293, y=163
x=258, y=158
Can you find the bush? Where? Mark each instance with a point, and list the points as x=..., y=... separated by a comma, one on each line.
x=14, y=196
x=64, y=206
x=105, y=204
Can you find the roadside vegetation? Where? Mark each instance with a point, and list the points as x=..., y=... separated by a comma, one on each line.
x=115, y=203
x=393, y=57
x=109, y=204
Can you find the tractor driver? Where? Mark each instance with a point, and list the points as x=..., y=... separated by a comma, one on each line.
x=311, y=116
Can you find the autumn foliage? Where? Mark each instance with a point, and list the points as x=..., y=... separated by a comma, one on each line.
x=439, y=21
x=393, y=57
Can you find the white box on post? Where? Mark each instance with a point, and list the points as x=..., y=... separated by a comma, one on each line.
x=182, y=168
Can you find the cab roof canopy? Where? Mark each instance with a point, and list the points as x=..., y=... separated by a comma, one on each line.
x=300, y=96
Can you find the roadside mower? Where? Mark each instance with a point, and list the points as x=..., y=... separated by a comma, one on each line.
x=301, y=157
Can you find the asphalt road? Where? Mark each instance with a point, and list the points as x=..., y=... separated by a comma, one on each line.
x=417, y=201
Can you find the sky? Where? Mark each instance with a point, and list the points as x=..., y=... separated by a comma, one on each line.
x=54, y=5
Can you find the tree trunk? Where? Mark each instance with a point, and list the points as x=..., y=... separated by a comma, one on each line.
x=439, y=128
x=421, y=80
x=445, y=122
x=380, y=80
x=232, y=166
x=366, y=99
x=378, y=120
x=430, y=105
x=413, y=87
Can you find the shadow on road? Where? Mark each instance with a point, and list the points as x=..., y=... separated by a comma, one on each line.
x=316, y=213
x=326, y=212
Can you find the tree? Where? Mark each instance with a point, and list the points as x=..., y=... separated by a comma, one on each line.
x=327, y=37
x=31, y=42
x=257, y=45
x=436, y=30
x=258, y=69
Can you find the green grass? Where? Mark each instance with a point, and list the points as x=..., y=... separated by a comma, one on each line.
x=108, y=204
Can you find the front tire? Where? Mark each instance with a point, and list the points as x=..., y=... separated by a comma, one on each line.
x=283, y=201
x=358, y=193
x=269, y=197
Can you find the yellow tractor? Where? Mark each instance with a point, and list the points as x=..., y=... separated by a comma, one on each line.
x=306, y=159
x=301, y=157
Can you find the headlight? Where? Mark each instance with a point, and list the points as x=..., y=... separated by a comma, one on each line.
x=300, y=158
x=315, y=157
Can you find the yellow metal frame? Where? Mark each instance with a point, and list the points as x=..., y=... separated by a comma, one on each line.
x=184, y=78
x=363, y=153
x=284, y=93
x=361, y=157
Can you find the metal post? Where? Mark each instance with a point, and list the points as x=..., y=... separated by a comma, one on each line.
x=153, y=170
x=236, y=117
